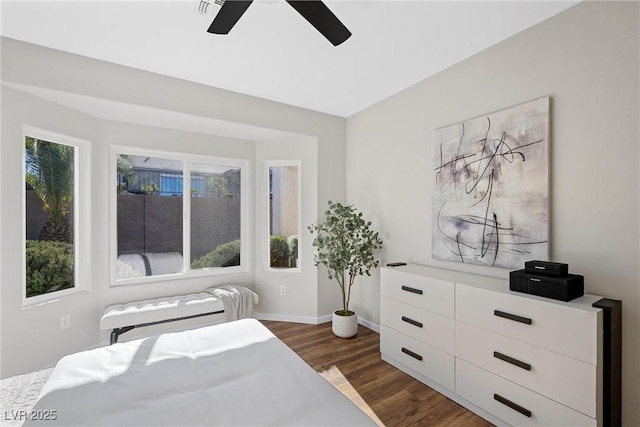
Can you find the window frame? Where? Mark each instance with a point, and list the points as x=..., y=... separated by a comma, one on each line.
x=187, y=159
x=81, y=215
x=266, y=218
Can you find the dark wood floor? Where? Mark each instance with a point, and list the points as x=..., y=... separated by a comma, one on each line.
x=395, y=397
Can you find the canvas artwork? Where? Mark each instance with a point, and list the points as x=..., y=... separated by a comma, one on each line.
x=491, y=188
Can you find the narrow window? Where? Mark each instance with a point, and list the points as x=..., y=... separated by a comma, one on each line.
x=51, y=215
x=283, y=215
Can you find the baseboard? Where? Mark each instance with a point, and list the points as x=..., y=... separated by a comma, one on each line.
x=326, y=318
x=289, y=318
x=313, y=320
x=369, y=324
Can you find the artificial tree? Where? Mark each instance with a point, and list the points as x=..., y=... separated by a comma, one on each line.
x=346, y=245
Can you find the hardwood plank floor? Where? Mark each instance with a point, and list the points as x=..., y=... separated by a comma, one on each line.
x=395, y=397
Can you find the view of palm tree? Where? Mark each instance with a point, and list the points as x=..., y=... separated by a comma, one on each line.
x=49, y=173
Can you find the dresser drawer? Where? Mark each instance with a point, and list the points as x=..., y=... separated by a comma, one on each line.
x=560, y=327
x=426, y=360
x=569, y=381
x=514, y=404
x=424, y=292
x=423, y=325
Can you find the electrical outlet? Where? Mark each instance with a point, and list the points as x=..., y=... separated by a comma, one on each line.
x=283, y=290
x=65, y=322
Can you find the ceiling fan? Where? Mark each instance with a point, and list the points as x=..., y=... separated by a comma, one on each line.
x=314, y=11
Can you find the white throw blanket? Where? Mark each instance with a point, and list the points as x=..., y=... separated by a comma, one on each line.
x=239, y=302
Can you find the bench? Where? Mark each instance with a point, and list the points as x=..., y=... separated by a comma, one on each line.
x=228, y=302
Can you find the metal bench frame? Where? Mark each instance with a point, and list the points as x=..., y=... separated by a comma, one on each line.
x=116, y=332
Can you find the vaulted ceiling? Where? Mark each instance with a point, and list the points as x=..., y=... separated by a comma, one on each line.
x=272, y=52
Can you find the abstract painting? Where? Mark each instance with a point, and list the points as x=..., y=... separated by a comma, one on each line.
x=491, y=188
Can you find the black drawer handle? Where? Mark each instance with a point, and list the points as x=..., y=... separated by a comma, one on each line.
x=511, y=360
x=411, y=353
x=510, y=404
x=413, y=290
x=411, y=321
x=513, y=317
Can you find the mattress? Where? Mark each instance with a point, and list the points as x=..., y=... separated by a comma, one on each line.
x=231, y=374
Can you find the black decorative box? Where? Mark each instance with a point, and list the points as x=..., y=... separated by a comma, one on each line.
x=546, y=268
x=563, y=288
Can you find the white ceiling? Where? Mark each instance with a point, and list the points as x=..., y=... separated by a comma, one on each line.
x=273, y=52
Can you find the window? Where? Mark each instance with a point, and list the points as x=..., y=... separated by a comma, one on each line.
x=160, y=232
x=52, y=246
x=282, y=213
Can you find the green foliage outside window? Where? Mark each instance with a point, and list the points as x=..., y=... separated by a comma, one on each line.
x=49, y=267
x=50, y=172
x=284, y=252
x=225, y=255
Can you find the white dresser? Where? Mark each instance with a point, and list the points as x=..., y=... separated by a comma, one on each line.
x=513, y=358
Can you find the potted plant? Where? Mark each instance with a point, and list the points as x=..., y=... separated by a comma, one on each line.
x=345, y=244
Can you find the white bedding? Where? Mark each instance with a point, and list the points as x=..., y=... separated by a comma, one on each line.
x=232, y=374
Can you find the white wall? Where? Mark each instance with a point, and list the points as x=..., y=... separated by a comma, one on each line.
x=301, y=297
x=587, y=60
x=109, y=104
x=27, y=332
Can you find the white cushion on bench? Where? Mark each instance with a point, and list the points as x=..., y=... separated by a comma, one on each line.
x=154, y=310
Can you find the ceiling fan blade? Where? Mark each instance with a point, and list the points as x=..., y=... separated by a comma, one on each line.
x=319, y=15
x=228, y=15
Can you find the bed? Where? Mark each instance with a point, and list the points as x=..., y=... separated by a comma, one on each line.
x=230, y=374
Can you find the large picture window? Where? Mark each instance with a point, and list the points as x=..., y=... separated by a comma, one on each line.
x=178, y=215
x=52, y=214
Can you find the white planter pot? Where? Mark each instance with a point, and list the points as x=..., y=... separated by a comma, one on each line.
x=345, y=326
